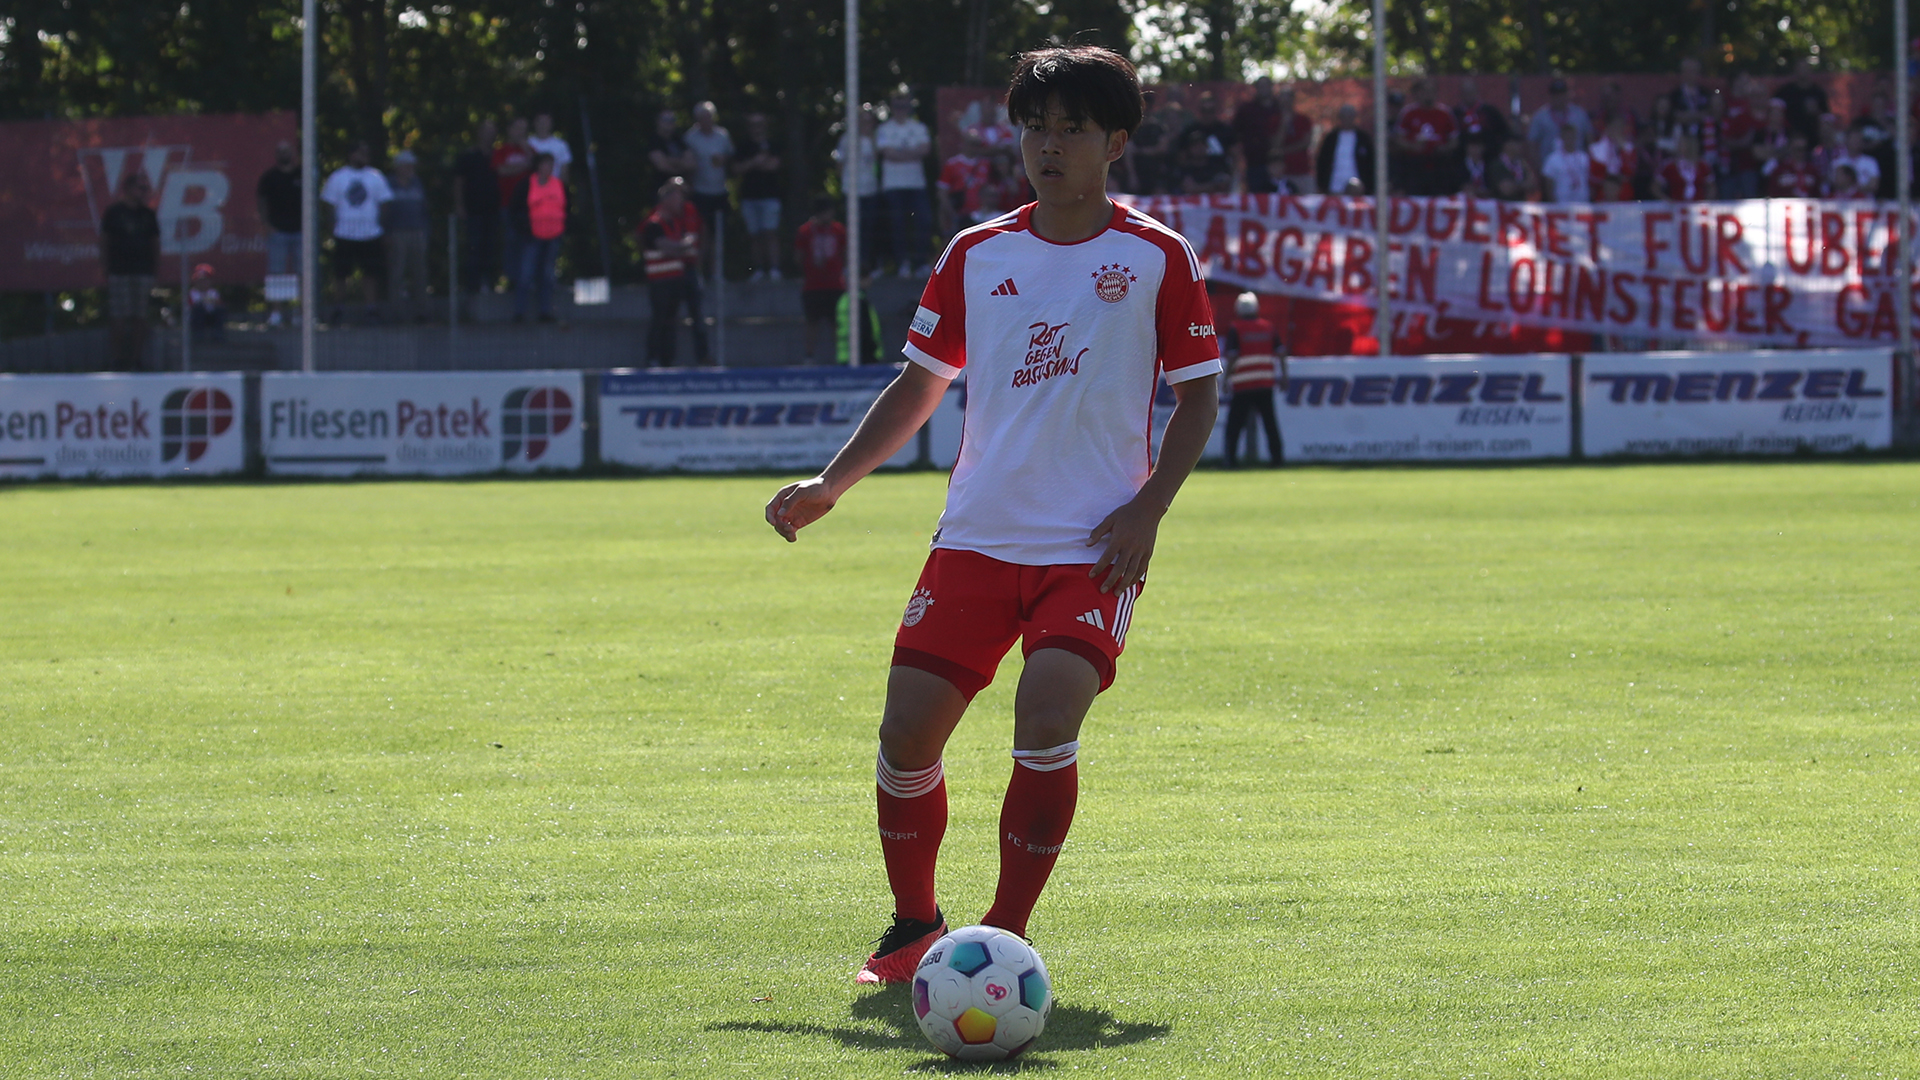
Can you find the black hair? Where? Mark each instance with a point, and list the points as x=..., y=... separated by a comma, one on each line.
x=823, y=204
x=542, y=156
x=1091, y=84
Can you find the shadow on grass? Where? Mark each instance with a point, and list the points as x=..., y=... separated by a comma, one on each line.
x=1070, y=1027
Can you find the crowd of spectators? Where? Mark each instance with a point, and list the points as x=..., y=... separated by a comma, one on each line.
x=1742, y=139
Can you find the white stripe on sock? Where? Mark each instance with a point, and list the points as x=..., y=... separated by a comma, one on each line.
x=1050, y=759
x=906, y=784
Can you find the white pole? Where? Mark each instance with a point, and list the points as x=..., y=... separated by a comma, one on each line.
x=309, y=218
x=1382, y=319
x=854, y=171
x=1903, y=172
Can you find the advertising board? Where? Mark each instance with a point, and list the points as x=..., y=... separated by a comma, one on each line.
x=440, y=424
x=729, y=421
x=1660, y=404
x=121, y=425
x=1467, y=408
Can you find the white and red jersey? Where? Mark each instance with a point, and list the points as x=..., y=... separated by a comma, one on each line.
x=1063, y=346
x=1686, y=180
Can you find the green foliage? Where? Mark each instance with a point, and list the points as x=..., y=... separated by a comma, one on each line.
x=1597, y=772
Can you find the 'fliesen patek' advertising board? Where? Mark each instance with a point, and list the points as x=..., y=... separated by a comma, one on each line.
x=1658, y=404
x=442, y=424
x=725, y=421
x=1440, y=409
x=121, y=425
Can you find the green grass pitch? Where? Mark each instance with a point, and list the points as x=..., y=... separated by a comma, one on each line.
x=1527, y=772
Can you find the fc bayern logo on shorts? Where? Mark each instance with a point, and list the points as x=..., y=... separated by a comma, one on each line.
x=1110, y=282
x=917, y=607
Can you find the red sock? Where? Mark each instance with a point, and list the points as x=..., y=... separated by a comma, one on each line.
x=1033, y=826
x=913, y=820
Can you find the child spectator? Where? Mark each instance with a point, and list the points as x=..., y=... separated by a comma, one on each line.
x=1686, y=178
x=1509, y=174
x=1792, y=176
x=206, y=310
x=1615, y=163
x=1565, y=172
x=821, y=244
x=1847, y=185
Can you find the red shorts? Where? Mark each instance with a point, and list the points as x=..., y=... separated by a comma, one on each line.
x=968, y=609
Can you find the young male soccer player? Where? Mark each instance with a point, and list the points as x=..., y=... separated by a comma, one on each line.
x=1064, y=313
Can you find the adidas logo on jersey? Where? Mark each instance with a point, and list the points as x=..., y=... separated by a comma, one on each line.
x=1005, y=288
x=1094, y=619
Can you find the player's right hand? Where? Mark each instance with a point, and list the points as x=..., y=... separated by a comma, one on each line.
x=799, y=505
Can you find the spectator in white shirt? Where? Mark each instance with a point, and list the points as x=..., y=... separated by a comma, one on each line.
x=1567, y=171
x=356, y=193
x=1866, y=168
x=544, y=141
x=904, y=144
x=712, y=150
x=867, y=186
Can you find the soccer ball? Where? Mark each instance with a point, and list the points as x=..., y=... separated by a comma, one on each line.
x=982, y=994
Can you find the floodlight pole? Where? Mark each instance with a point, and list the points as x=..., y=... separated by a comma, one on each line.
x=309, y=198
x=852, y=166
x=1382, y=318
x=1903, y=172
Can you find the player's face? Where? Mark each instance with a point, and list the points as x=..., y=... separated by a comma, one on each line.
x=1067, y=159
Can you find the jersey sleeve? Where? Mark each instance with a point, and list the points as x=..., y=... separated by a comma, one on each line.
x=1189, y=348
x=937, y=337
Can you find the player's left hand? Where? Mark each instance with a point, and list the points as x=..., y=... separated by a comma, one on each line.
x=1130, y=533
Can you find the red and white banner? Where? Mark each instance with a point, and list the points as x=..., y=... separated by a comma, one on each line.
x=1779, y=272
x=62, y=175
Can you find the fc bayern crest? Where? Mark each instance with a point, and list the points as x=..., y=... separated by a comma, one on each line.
x=1110, y=283
x=917, y=607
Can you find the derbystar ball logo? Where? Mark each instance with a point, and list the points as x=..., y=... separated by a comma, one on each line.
x=530, y=418
x=190, y=419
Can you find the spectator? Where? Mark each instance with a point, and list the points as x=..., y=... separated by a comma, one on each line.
x=1791, y=175
x=206, y=309
x=903, y=145
x=476, y=202
x=356, y=192
x=1256, y=122
x=1615, y=164
x=512, y=160
x=544, y=141
x=1154, y=146
x=1832, y=148
x=867, y=187
x=276, y=202
x=1771, y=144
x=1509, y=175
x=1564, y=175
x=1295, y=150
x=667, y=151
x=1222, y=141
x=1688, y=103
x=712, y=149
x=130, y=252
x=758, y=168
x=1559, y=111
x=821, y=244
x=1427, y=136
x=1866, y=168
x=404, y=221
x=1478, y=121
x=1204, y=166
x=1346, y=156
x=1806, y=101
x=869, y=327
x=1876, y=127
x=670, y=236
x=1686, y=178
x=1613, y=107
x=1473, y=172
x=540, y=213
x=1256, y=363
x=1001, y=191
x=1663, y=132
x=959, y=185
x=1740, y=126
x=1847, y=184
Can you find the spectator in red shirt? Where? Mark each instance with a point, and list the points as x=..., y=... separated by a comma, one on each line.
x=1686, y=178
x=1791, y=175
x=1480, y=122
x=1740, y=125
x=1294, y=149
x=670, y=239
x=1613, y=107
x=1510, y=176
x=1615, y=161
x=959, y=184
x=1256, y=121
x=1427, y=135
x=822, y=246
x=512, y=161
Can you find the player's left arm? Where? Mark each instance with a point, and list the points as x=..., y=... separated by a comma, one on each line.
x=1131, y=531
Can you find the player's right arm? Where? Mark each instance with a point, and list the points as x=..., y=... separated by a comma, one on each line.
x=899, y=412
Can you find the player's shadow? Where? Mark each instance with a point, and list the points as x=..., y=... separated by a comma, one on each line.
x=884, y=1021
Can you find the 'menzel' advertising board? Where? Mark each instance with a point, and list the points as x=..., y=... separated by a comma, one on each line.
x=121, y=425
x=443, y=424
x=1652, y=404
x=723, y=421
x=1456, y=408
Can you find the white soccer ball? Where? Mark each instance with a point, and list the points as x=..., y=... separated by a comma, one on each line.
x=982, y=994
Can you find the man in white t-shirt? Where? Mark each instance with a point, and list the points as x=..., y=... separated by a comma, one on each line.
x=1065, y=314
x=355, y=192
x=712, y=150
x=1568, y=170
x=866, y=184
x=903, y=145
x=544, y=141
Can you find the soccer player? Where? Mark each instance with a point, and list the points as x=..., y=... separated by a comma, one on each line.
x=1064, y=313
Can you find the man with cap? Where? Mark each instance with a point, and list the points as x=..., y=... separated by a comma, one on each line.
x=1256, y=363
x=405, y=219
x=1544, y=132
